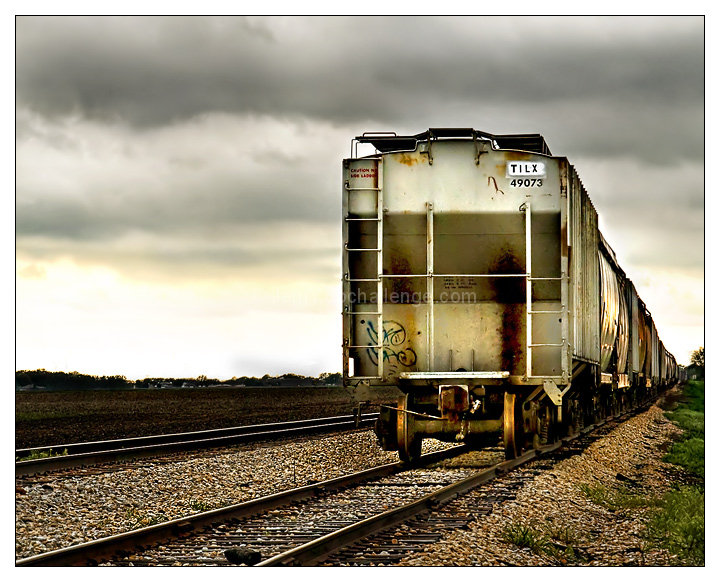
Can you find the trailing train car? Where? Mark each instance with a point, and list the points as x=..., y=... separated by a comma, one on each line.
x=476, y=281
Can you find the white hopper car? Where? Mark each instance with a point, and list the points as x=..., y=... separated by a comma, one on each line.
x=475, y=280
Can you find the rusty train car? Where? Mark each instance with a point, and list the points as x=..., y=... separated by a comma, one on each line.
x=476, y=281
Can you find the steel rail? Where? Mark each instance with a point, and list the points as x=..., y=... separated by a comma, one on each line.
x=316, y=550
x=96, y=452
x=93, y=552
x=92, y=446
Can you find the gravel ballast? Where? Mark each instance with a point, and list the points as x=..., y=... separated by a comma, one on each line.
x=58, y=512
x=628, y=457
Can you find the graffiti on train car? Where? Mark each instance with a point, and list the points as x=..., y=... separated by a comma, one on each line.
x=393, y=342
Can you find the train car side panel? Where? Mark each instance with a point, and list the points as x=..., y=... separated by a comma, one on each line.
x=584, y=276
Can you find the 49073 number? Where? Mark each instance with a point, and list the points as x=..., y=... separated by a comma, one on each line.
x=526, y=182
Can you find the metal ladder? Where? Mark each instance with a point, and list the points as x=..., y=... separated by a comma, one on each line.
x=530, y=312
x=348, y=312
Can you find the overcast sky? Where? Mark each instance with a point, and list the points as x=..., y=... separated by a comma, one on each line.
x=178, y=179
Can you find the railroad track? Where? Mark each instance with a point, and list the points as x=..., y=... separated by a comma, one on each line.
x=337, y=520
x=443, y=512
x=73, y=455
x=388, y=537
x=93, y=552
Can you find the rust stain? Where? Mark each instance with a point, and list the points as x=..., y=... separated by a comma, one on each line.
x=510, y=293
x=507, y=289
x=511, y=344
x=400, y=287
x=453, y=402
x=408, y=159
x=522, y=156
x=493, y=181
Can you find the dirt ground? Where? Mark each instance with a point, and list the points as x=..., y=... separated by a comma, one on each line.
x=48, y=418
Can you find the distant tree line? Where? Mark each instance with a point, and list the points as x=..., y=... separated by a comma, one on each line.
x=69, y=381
x=325, y=379
x=42, y=379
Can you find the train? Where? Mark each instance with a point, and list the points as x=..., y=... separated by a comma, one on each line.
x=476, y=282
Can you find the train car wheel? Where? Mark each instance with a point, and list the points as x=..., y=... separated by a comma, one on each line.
x=572, y=417
x=512, y=426
x=547, y=426
x=600, y=409
x=409, y=443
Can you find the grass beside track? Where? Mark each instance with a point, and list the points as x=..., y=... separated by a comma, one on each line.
x=679, y=524
x=675, y=521
x=35, y=455
x=554, y=541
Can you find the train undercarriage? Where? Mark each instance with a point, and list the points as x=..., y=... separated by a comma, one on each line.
x=523, y=416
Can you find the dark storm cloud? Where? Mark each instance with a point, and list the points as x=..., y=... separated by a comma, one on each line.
x=226, y=202
x=186, y=127
x=152, y=71
x=97, y=182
